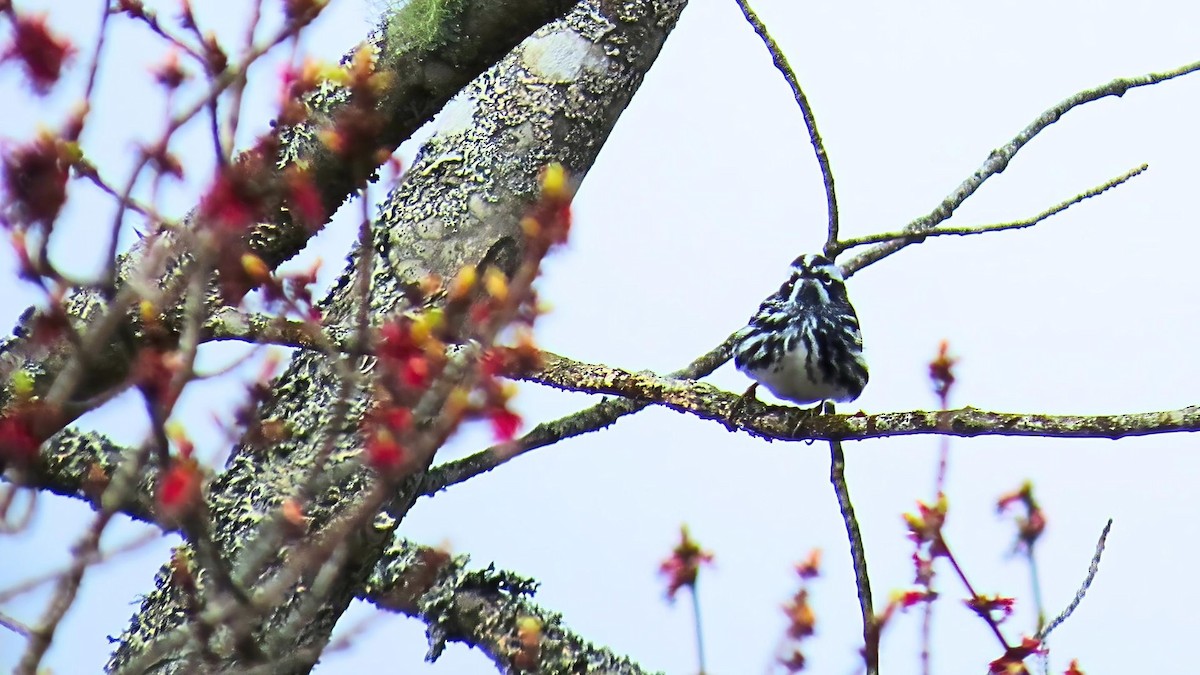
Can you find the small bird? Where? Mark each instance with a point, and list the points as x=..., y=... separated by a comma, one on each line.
x=804, y=344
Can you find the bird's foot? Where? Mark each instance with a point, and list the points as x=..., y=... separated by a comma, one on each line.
x=821, y=408
x=738, y=409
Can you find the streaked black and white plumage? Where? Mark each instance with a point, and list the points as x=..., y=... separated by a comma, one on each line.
x=804, y=344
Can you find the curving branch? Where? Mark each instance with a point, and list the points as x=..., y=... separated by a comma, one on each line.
x=810, y=120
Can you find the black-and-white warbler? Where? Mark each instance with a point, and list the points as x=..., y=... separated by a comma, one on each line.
x=804, y=344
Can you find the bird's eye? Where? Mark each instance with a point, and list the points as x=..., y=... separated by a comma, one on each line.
x=828, y=281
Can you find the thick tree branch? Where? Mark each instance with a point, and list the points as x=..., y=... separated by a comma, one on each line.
x=479, y=608
x=425, y=64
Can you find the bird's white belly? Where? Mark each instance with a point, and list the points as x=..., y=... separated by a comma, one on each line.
x=790, y=380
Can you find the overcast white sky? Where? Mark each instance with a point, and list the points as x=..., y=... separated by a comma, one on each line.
x=705, y=192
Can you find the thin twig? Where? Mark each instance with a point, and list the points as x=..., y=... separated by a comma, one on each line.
x=962, y=576
x=810, y=122
x=8, y=497
x=150, y=18
x=699, y=631
x=858, y=554
x=94, y=62
x=15, y=625
x=1083, y=589
x=996, y=227
x=88, y=171
x=1036, y=587
x=999, y=158
x=68, y=584
x=239, y=88
x=93, y=558
x=927, y=637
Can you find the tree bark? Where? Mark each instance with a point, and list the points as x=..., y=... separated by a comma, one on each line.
x=420, y=77
x=554, y=99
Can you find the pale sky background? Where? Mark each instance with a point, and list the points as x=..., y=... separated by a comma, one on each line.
x=705, y=192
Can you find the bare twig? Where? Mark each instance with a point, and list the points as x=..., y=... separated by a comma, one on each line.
x=926, y=637
x=810, y=121
x=1083, y=589
x=1035, y=584
x=858, y=555
x=10, y=524
x=14, y=625
x=95, y=557
x=999, y=158
x=64, y=596
x=119, y=489
x=996, y=227
x=150, y=19
x=94, y=62
x=699, y=630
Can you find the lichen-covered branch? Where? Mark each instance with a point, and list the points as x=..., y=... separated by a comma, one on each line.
x=228, y=323
x=81, y=464
x=487, y=609
x=78, y=464
x=790, y=423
